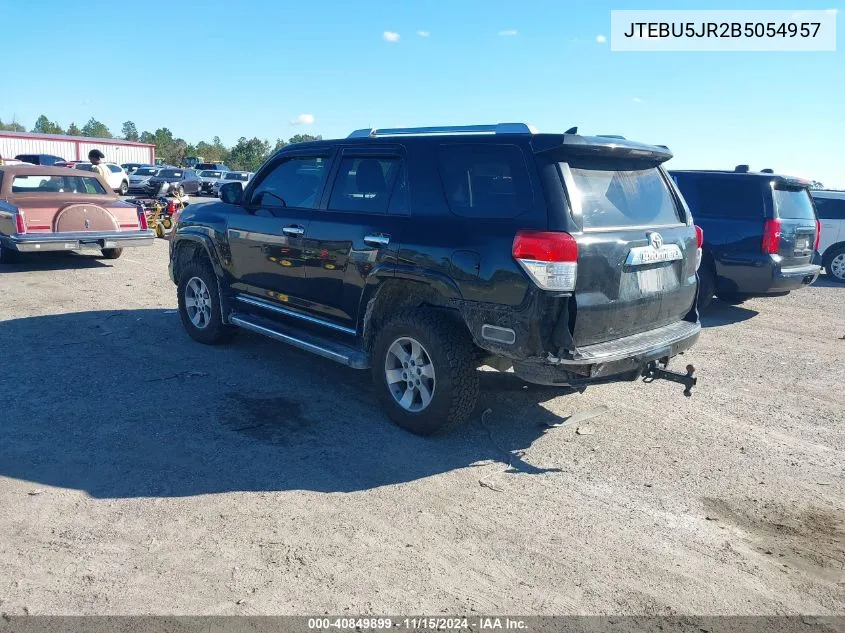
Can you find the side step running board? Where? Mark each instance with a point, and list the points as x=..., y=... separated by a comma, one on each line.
x=308, y=341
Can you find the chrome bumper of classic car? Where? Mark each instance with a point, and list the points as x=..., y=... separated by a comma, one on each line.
x=34, y=242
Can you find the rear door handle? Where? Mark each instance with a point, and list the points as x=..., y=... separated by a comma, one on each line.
x=377, y=239
x=294, y=230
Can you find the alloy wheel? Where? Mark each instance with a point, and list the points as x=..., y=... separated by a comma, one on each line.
x=410, y=374
x=198, y=303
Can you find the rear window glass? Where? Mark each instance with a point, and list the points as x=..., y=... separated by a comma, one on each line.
x=485, y=181
x=210, y=174
x=145, y=171
x=611, y=197
x=237, y=175
x=722, y=196
x=171, y=173
x=85, y=166
x=794, y=204
x=363, y=184
x=57, y=184
x=830, y=208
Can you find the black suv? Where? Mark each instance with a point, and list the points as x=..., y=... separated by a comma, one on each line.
x=760, y=232
x=425, y=253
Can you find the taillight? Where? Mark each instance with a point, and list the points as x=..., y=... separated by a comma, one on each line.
x=699, y=242
x=818, y=234
x=20, y=222
x=771, y=237
x=142, y=219
x=549, y=258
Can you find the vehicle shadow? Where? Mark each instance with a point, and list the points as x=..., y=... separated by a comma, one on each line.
x=124, y=404
x=720, y=313
x=26, y=262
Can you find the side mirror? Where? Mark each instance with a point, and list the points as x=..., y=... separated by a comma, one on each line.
x=232, y=193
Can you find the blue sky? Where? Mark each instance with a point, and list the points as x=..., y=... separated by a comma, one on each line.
x=250, y=68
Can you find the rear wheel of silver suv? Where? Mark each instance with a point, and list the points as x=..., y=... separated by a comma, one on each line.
x=834, y=264
x=423, y=371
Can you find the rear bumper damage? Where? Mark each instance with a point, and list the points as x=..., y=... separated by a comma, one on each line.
x=622, y=359
x=36, y=243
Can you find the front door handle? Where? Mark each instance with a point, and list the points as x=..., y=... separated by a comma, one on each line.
x=379, y=239
x=294, y=230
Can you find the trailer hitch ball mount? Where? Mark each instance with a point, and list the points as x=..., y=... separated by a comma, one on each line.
x=655, y=371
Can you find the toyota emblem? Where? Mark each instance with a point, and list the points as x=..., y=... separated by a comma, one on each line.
x=656, y=240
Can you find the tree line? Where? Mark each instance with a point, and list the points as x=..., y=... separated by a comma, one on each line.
x=246, y=154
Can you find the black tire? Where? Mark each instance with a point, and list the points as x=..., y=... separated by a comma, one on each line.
x=7, y=255
x=215, y=332
x=706, y=286
x=732, y=298
x=111, y=253
x=450, y=350
x=124, y=188
x=832, y=254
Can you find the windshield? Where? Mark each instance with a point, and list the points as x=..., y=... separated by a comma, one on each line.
x=794, y=204
x=210, y=174
x=171, y=173
x=612, y=194
x=205, y=166
x=145, y=171
x=235, y=175
x=57, y=184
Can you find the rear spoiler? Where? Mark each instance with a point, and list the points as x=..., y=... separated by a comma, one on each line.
x=606, y=146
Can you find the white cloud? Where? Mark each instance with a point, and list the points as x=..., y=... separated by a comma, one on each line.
x=302, y=119
x=601, y=39
x=638, y=100
x=423, y=33
x=508, y=33
x=391, y=36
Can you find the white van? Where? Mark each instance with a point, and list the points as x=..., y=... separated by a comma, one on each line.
x=830, y=208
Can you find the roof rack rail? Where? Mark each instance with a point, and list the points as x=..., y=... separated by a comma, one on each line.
x=497, y=128
x=622, y=138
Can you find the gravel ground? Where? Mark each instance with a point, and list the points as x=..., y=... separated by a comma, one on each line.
x=143, y=473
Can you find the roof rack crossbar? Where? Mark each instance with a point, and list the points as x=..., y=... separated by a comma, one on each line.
x=496, y=128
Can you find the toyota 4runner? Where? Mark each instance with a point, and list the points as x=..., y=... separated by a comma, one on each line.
x=425, y=253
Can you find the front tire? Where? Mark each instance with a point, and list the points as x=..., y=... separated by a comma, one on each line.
x=124, y=188
x=834, y=265
x=199, y=304
x=112, y=253
x=424, y=371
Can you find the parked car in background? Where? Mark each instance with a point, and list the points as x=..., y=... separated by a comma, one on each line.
x=242, y=177
x=40, y=159
x=131, y=168
x=172, y=180
x=212, y=166
x=118, y=179
x=472, y=256
x=830, y=207
x=12, y=161
x=59, y=209
x=208, y=180
x=140, y=177
x=760, y=232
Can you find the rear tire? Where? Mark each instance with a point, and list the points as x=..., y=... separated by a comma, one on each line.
x=124, y=188
x=199, y=304
x=732, y=298
x=706, y=286
x=834, y=264
x=437, y=388
x=112, y=253
x=7, y=255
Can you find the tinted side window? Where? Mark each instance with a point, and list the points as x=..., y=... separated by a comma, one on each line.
x=296, y=182
x=364, y=184
x=113, y=168
x=830, y=208
x=728, y=197
x=485, y=181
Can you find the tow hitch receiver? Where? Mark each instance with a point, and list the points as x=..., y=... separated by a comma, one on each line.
x=655, y=371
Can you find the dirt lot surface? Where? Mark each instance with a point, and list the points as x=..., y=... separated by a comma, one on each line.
x=141, y=472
